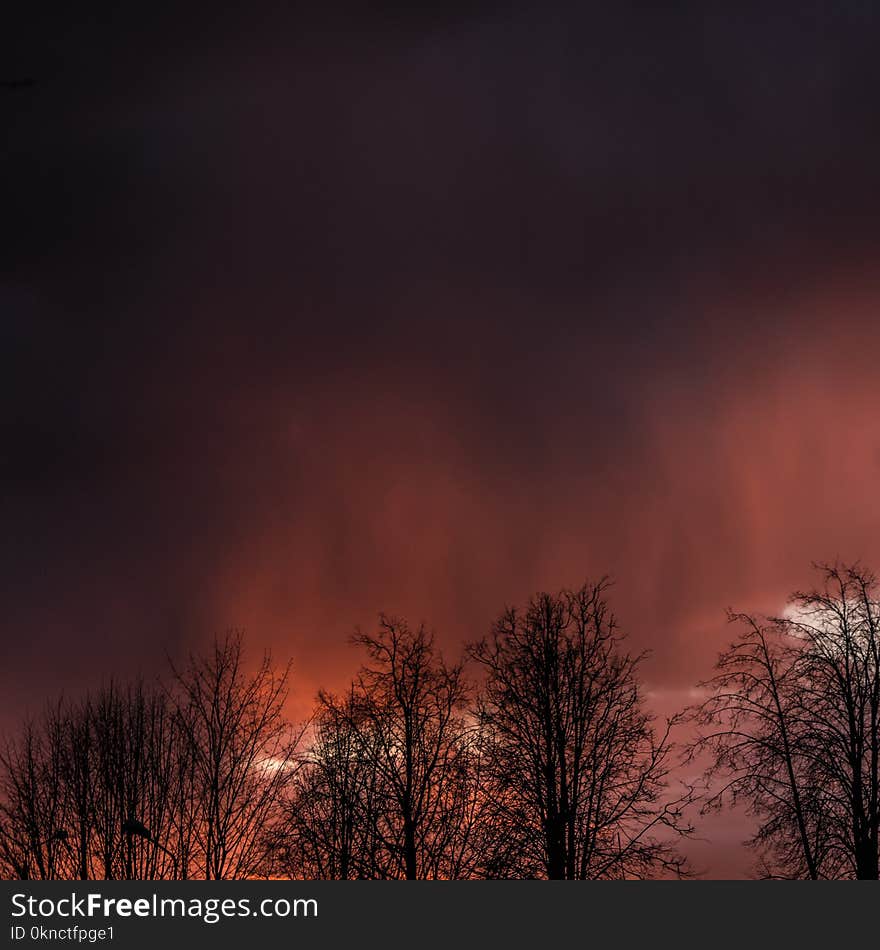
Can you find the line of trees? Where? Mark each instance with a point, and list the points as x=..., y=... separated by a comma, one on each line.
x=533, y=756
x=155, y=781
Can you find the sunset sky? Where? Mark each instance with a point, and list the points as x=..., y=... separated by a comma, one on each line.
x=303, y=318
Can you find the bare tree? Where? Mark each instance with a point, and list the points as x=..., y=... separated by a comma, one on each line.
x=750, y=730
x=331, y=830
x=792, y=724
x=578, y=781
x=77, y=775
x=461, y=841
x=138, y=781
x=403, y=723
x=243, y=757
x=33, y=806
x=74, y=726
x=135, y=744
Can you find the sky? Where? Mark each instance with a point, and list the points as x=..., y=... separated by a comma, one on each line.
x=304, y=317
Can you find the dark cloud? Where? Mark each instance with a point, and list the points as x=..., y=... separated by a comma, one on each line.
x=304, y=317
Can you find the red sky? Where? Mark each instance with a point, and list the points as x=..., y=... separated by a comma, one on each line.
x=307, y=322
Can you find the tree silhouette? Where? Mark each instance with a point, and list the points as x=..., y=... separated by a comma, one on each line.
x=243, y=756
x=408, y=704
x=129, y=734
x=385, y=779
x=331, y=830
x=77, y=774
x=33, y=805
x=577, y=778
x=554, y=770
x=792, y=725
x=150, y=782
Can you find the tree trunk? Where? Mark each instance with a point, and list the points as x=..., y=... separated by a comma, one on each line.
x=409, y=849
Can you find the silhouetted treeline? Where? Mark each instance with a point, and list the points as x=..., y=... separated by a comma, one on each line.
x=533, y=755
x=174, y=780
